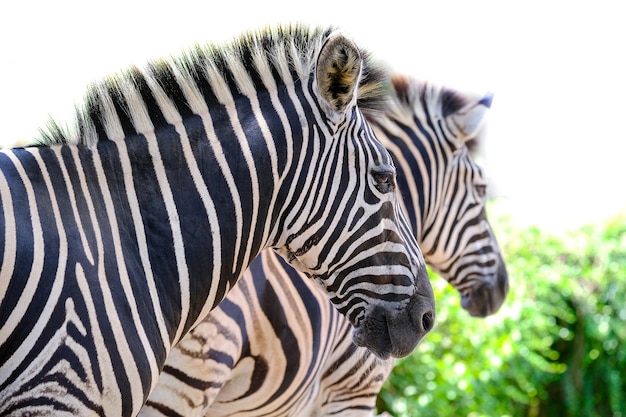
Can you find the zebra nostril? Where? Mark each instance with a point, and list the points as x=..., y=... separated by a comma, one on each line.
x=428, y=321
x=422, y=314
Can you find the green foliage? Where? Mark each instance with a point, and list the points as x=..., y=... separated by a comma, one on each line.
x=557, y=346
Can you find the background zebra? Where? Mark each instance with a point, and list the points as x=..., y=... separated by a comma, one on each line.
x=275, y=347
x=119, y=237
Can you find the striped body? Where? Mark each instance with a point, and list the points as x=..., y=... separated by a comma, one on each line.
x=119, y=237
x=276, y=347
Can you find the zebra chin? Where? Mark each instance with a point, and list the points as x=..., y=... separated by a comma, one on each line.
x=488, y=297
x=395, y=333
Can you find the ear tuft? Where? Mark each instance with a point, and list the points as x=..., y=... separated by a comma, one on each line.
x=470, y=118
x=338, y=72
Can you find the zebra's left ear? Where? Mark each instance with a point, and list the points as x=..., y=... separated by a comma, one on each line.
x=469, y=119
x=337, y=73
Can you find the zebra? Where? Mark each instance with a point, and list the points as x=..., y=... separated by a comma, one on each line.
x=276, y=347
x=119, y=235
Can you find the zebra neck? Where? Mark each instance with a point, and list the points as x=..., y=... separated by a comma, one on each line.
x=199, y=208
x=156, y=213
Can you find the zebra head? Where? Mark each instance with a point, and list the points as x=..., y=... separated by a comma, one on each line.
x=351, y=235
x=455, y=235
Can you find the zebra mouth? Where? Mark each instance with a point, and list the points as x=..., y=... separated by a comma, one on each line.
x=395, y=331
x=373, y=334
x=487, y=298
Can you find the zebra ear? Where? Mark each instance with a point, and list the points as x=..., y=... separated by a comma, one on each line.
x=470, y=118
x=338, y=72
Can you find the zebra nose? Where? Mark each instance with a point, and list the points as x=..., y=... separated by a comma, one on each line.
x=406, y=328
x=422, y=307
x=422, y=314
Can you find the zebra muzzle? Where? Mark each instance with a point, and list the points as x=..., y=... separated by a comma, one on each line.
x=395, y=333
x=487, y=298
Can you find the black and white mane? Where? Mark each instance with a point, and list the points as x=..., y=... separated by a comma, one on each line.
x=205, y=75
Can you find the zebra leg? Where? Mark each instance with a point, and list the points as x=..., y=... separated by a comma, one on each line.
x=193, y=359
x=351, y=381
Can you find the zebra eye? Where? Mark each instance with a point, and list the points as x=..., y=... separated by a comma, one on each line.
x=481, y=190
x=383, y=181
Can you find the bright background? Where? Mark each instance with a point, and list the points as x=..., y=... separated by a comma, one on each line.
x=556, y=138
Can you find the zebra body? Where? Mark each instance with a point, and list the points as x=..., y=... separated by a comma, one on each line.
x=117, y=239
x=282, y=349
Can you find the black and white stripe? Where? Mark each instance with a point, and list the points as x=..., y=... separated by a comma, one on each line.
x=120, y=236
x=281, y=349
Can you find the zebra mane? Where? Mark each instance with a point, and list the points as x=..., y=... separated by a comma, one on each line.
x=165, y=90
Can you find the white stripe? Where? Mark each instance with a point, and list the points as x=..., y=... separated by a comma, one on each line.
x=262, y=66
x=254, y=181
x=223, y=93
x=130, y=366
x=306, y=142
x=141, y=121
x=199, y=107
x=36, y=273
x=10, y=238
x=179, y=244
x=38, y=256
x=71, y=193
x=104, y=361
x=111, y=394
x=142, y=246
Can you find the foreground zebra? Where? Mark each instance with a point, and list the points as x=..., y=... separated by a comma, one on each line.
x=117, y=239
x=276, y=347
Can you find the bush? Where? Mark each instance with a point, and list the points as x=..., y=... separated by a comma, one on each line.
x=556, y=347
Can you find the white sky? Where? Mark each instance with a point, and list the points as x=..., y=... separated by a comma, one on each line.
x=555, y=144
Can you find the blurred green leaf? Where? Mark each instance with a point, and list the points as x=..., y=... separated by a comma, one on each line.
x=556, y=347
